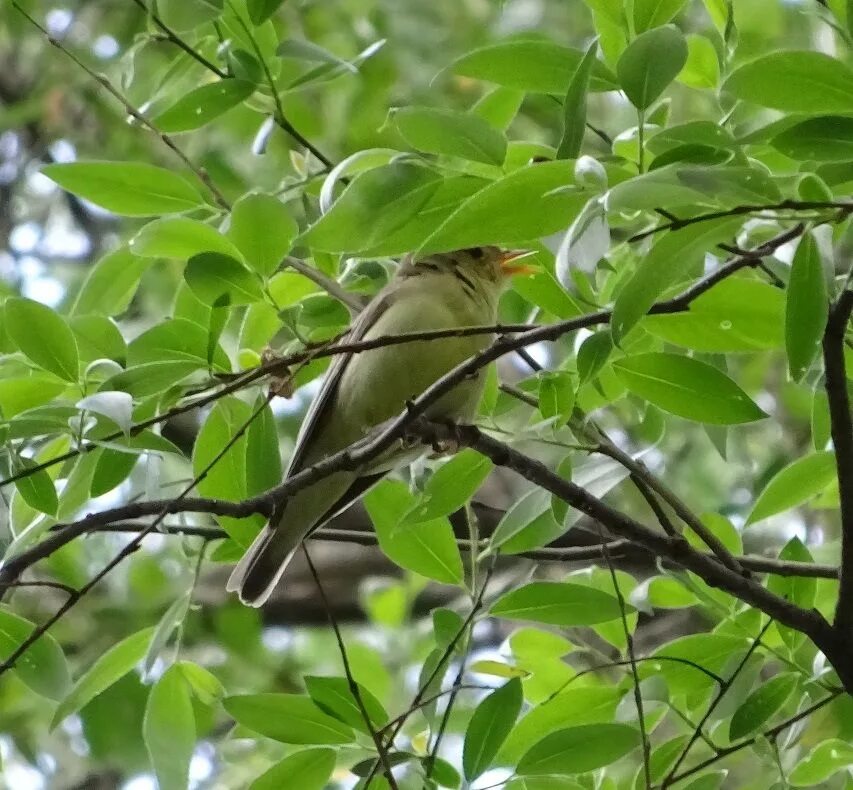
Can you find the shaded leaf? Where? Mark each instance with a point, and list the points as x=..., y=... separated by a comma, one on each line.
x=169, y=730
x=794, y=485
x=43, y=336
x=761, y=705
x=204, y=104
x=212, y=276
x=557, y=603
x=651, y=61
x=579, y=749
x=489, y=726
x=290, y=718
x=308, y=769
x=807, y=308
x=42, y=667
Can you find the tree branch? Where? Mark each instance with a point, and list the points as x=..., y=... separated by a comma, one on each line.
x=841, y=428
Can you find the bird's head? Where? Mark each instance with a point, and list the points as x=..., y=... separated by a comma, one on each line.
x=492, y=264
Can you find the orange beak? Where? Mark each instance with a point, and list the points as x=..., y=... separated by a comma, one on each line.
x=510, y=266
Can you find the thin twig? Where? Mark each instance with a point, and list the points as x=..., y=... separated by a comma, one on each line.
x=770, y=735
x=199, y=172
x=737, y=211
x=330, y=286
x=721, y=692
x=381, y=750
x=125, y=552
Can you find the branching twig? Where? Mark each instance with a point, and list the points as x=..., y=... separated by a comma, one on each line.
x=381, y=749
x=721, y=692
x=199, y=172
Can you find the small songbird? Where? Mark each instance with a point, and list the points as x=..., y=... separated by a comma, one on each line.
x=363, y=390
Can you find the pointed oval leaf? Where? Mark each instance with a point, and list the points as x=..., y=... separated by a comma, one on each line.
x=179, y=238
x=264, y=230
x=289, y=718
x=37, y=488
x=334, y=696
x=558, y=603
x=664, y=266
x=451, y=486
x=687, y=388
x=537, y=66
x=308, y=769
x=653, y=13
x=202, y=105
x=42, y=667
x=822, y=761
x=806, y=308
x=574, y=106
x=134, y=189
x=169, y=730
x=428, y=548
x=213, y=276
x=809, y=82
x=489, y=726
x=794, y=485
x=579, y=749
x=110, y=284
x=650, y=62
x=512, y=210
x=450, y=132
x=761, y=705
x=825, y=139
x=43, y=335
x=111, y=666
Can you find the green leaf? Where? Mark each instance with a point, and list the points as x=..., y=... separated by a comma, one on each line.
x=212, y=276
x=543, y=290
x=737, y=314
x=263, y=458
x=300, y=49
x=451, y=486
x=169, y=730
x=43, y=336
x=185, y=15
x=227, y=479
x=264, y=230
x=202, y=105
x=111, y=666
x=98, y=338
x=428, y=548
x=489, y=726
x=795, y=484
x=289, y=718
x=579, y=749
x=450, y=132
x=761, y=705
x=259, y=12
x=806, y=308
x=821, y=762
x=133, y=189
x=687, y=388
x=512, y=210
x=556, y=395
x=37, y=489
x=42, y=667
x=711, y=652
x=537, y=66
x=333, y=695
x=569, y=708
x=374, y=205
x=558, y=603
x=499, y=106
x=667, y=262
x=308, y=769
x=651, y=61
x=110, y=284
x=519, y=516
x=173, y=340
x=203, y=683
x=574, y=107
x=179, y=238
x=592, y=355
x=654, y=13
x=809, y=82
x=702, y=69
x=825, y=139
x=21, y=394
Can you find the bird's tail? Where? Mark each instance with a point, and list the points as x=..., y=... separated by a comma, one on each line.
x=258, y=572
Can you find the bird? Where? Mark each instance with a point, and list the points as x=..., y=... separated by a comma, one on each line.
x=361, y=391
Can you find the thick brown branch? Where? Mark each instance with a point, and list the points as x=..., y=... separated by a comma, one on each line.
x=841, y=427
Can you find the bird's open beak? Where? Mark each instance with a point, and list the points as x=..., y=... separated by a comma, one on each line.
x=510, y=265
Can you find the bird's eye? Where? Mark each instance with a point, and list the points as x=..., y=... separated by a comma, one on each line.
x=476, y=252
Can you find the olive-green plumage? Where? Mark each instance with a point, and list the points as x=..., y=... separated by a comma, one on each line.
x=363, y=390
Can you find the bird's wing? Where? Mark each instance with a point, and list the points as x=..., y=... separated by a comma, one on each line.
x=319, y=409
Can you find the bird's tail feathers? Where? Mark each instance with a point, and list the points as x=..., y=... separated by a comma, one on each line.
x=261, y=567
